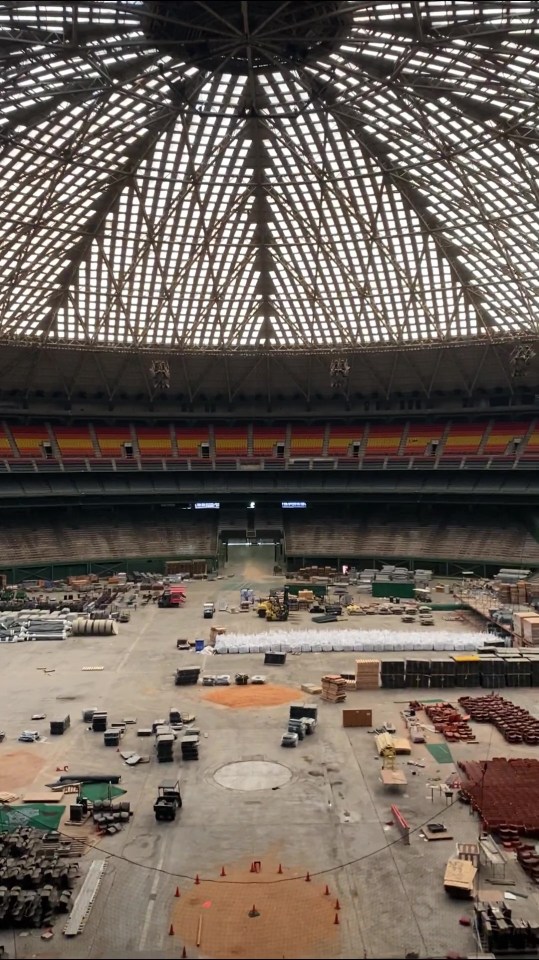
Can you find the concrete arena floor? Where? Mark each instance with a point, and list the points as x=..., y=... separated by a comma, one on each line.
x=334, y=810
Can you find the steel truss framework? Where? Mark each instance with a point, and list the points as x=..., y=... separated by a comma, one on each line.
x=379, y=190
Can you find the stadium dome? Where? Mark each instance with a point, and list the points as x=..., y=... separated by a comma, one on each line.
x=240, y=180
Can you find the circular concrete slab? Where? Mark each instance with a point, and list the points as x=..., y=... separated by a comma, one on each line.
x=252, y=775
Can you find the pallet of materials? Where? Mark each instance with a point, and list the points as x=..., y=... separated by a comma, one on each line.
x=333, y=688
x=387, y=742
x=367, y=674
x=448, y=721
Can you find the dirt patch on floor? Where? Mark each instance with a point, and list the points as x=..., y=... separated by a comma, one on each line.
x=295, y=918
x=19, y=768
x=269, y=695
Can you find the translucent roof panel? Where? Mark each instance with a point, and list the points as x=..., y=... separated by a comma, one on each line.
x=268, y=175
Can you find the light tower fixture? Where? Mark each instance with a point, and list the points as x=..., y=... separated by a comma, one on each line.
x=160, y=372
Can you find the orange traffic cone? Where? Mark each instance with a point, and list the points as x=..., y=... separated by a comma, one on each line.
x=184, y=953
x=337, y=905
x=308, y=877
x=280, y=870
x=253, y=912
x=177, y=894
x=326, y=891
x=171, y=931
x=197, y=879
x=223, y=872
x=336, y=920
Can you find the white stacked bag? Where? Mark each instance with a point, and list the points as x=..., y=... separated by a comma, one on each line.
x=317, y=641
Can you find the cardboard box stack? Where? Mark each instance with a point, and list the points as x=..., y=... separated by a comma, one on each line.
x=367, y=674
x=518, y=592
x=526, y=627
x=333, y=688
x=531, y=631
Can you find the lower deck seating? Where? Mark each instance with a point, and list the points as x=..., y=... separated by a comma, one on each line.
x=107, y=536
x=504, y=543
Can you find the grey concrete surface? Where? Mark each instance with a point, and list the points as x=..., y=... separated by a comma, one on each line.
x=331, y=818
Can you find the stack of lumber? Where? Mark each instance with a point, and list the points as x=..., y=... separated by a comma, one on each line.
x=367, y=674
x=531, y=631
x=518, y=592
x=387, y=742
x=333, y=688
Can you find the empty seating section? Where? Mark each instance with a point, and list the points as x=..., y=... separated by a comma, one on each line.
x=489, y=438
x=531, y=448
x=502, y=437
x=396, y=539
x=5, y=446
x=464, y=439
x=29, y=440
x=342, y=439
x=112, y=440
x=107, y=538
x=190, y=439
x=265, y=440
x=383, y=441
x=154, y=441
x=306, y=441
x=231, y=441
x=74, y=442
x=420, y=439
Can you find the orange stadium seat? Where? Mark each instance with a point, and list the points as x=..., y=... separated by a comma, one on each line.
x=74, y=442
x=112, y=439
x=5, y=446
x=341, y=439
x=307, y=441
x=265, y=440
x=189, y=440
x=29, y=440
x=420, y=437
x=230, y=441
x=502, y=435
x=383, y=441
x=154, y=441
x=464, y=438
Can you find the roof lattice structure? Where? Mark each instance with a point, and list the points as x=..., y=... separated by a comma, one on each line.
x=268, y=175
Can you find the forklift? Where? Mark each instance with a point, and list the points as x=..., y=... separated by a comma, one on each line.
x=169, y=799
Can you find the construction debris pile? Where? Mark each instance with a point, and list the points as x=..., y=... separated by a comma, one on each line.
x=516, y=724
x=35, y=880
x=504, y=792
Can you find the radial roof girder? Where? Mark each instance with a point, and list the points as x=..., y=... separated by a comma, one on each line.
x=349, y=121
x=418, y=204
x=342, y=252
x=136, y=153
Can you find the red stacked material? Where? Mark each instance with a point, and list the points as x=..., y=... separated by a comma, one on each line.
x=450, y=722
x=505, y=793
x=514, y=723
x=528, y=860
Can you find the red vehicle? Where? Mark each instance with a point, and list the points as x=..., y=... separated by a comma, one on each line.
x=172, y=597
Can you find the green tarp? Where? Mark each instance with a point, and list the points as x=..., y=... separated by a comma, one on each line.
x=42, y=816
x=101, y=791
x=440, y=752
